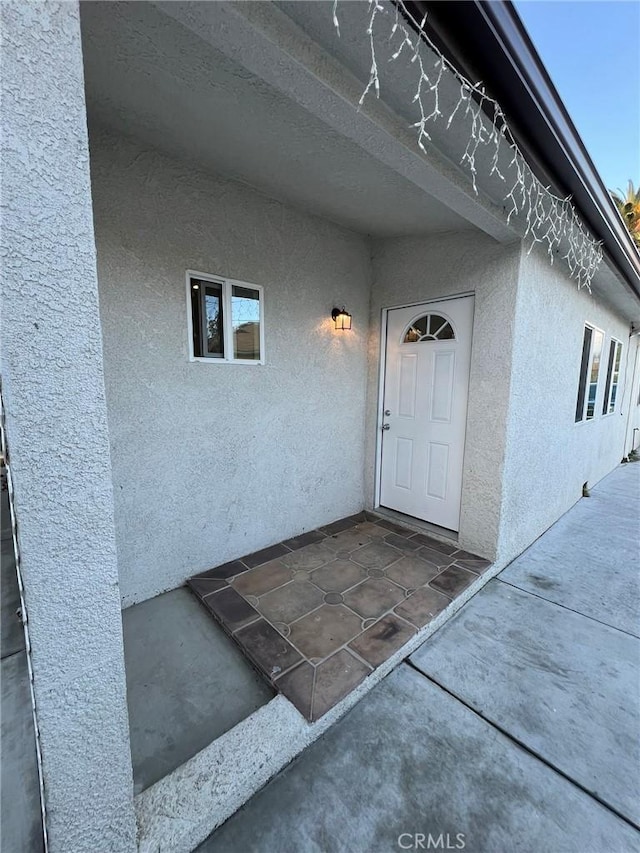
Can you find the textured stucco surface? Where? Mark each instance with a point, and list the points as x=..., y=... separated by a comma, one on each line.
x=632, y=401
x=57, y=432
x=410, y=270
x=213, y=461
x=549, y=456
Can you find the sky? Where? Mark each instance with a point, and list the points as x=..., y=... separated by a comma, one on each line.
x=591, y=49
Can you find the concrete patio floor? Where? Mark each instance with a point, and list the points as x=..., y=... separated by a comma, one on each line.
x=187, y=683
x=21, y=823
x=516, y=724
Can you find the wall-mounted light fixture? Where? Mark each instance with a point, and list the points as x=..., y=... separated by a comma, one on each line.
x=341, y=318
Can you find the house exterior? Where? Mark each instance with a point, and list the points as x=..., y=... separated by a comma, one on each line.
x=189, y=190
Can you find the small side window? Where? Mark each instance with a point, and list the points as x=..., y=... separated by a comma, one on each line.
x=589, y=372
x=613, y=377
x=225, y=320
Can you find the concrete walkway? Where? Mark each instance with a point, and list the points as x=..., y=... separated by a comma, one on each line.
x=513, y=728
x=20, y=820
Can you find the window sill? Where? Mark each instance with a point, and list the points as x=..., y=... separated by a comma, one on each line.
x=244, y=361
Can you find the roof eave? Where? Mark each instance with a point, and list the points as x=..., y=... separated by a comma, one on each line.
x=487, y=40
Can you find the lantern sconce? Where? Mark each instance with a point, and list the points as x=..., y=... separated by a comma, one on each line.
x=341, y=318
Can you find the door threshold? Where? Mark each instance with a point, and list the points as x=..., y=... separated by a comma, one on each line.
x=442, y=533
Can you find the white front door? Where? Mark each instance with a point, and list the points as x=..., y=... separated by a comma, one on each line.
x=426, y=385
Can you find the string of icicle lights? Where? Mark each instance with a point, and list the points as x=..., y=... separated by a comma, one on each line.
x=549, y=220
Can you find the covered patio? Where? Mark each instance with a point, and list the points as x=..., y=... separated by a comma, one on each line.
x=313, y=617
x=208, y=154
x=203, y=160
x=213, y=571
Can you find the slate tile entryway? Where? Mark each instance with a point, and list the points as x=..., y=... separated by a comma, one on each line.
x=319, y=612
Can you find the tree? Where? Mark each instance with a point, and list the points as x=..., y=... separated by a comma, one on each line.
x=629, y=208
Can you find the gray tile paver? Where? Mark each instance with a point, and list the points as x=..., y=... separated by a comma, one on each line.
x=309, y=558
x=338, y=576
x=348, y=540
x=422, y=606
x=411, y=572
x=377, y=555
x=324, y=630
x=290, y=602
x=373, y=597
x=301, y=595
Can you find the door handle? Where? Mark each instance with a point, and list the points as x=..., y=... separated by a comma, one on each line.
x=387, y=412
x=386, y=426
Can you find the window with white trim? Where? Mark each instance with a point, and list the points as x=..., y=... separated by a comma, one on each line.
x=589, y=372
x=613, y=377
x=225, y=320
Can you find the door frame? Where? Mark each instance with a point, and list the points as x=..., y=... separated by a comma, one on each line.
x=382, y=364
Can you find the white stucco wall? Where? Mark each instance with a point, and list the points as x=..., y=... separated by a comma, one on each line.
x=409, y=270
x=210, y=461
x=632, y=400
x=549, y=456
x=57, y=433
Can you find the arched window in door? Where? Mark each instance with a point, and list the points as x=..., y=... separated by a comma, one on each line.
x=429, y=327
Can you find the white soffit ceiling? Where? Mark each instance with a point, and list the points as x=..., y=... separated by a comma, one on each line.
x=152, y=79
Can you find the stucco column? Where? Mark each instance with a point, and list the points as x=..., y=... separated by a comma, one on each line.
x=57, y=431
